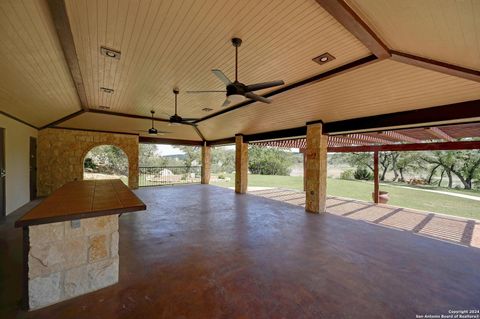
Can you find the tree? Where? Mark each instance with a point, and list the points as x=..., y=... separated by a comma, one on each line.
x=107, y=159
x=148, y=156
x=269, y=160
x=192, y=154
x=223, y=160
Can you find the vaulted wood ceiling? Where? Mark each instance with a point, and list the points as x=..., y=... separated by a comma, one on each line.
x=167, y=44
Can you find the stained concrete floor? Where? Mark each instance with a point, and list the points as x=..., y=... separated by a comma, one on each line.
x=204, y=252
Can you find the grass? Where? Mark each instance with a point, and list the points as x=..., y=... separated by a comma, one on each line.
x=362, y=190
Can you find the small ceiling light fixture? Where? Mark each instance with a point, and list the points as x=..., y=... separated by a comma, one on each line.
x=110, y=53
x=324, y=58
x=106, y=90
x=104, y=107
x=207, y=109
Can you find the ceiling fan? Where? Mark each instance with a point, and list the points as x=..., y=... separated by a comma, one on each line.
x=237, y=91
x=153, y=130
x=177, y=119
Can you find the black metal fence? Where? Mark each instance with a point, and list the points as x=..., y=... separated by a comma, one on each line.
x=169, y=175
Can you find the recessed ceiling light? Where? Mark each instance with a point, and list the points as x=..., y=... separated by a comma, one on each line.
x=207, y=109
x=103, y=107
x=324, y=58
x=106, y=90
x=110, y=53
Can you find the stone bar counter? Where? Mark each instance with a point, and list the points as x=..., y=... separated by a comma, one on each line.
x=70, y=240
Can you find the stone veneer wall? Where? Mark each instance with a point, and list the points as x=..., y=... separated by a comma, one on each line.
x=61, y=154
x=65, y=262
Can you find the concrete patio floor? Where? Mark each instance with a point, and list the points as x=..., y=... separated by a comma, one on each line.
x=202, y=251
x=439, y=226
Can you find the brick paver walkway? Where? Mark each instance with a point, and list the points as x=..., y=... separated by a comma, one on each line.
x=449, y=228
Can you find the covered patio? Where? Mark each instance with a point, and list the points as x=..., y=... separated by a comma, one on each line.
x=230, y=255
x=320, y=75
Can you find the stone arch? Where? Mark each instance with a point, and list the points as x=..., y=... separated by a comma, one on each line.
x=62, y=152
x=118, y=147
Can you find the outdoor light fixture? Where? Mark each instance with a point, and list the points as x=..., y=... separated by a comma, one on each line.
x=110, y=53
x=324, y=58
x=103, y=107
x=106, y=90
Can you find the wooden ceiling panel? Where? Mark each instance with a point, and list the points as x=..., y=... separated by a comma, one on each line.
x=35, y=83
x=121, y=124
x=166, y=44
x=442, y=30
x=380, y=88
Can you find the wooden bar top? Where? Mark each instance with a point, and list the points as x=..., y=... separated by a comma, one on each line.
x=83, y=199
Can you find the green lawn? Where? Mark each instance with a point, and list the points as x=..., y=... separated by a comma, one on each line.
x=363, y=191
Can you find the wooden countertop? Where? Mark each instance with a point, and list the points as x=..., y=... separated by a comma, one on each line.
x=83, y=199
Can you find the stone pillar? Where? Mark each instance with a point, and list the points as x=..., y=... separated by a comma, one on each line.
x=241, y=165
x=206, y=163
x=316, y=171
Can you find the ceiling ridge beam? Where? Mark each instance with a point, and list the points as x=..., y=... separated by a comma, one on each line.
x=309, y=81
x=18, y=120
x=59, y=14
x=437, y=66
x=345, y=15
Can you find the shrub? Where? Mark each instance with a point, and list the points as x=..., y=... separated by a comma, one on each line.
x=363, y=174
x=221, y=176
x=347, y=174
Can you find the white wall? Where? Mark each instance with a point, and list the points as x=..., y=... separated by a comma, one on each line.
x=17, y=153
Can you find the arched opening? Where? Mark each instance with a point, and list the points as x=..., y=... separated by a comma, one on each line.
x=106, y=162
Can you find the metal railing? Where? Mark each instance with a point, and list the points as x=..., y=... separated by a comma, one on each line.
x=168, y=175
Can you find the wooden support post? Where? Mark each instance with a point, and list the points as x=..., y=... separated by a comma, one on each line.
x=303, y=151
x=376, y=187
x=206, y=163
x=241, y=165
x=316, y=171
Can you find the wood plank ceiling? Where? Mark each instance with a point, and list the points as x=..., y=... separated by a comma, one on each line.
x=383, y=87
x=442, y=30
x=35, y=82
x=166, y=44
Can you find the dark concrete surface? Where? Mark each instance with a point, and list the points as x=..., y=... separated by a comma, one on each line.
x=204, y=252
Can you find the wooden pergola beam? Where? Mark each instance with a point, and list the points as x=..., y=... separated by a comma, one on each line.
x=438, y=133
x=441, y=146
x=355, y=25
x=399, y=137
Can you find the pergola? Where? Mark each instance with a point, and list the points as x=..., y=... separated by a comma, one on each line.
x=447, y=137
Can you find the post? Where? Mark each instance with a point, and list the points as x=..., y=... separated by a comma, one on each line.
x=206, y=163
x=241, y=165
x=316, y=171
x=376, y=187
x=303, y=151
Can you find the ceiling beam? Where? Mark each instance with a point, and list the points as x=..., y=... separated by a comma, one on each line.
x=355, y=25
x=58, y=11
x=18, y=120
x=63, y=119
x=89, y=130
x=438, y=66
x=442, y=146
x=312, y=80
x=130, y=115
x=438, y=133
x=427, y=116
x=169, y=141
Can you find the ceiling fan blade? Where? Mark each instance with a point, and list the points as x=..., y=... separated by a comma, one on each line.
x=257, y=98
x=264, y=85
x=207, y=91
x=226, y=103
x=219, y=74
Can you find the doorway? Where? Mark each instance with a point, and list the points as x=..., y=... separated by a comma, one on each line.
x=2, y=174
x=33, y=168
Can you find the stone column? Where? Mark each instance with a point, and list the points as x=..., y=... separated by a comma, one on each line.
x=316, y=171
x=206, y=163
x=241, y=165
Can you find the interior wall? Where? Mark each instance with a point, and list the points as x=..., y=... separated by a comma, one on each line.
x=61, y=154
x=17, y=162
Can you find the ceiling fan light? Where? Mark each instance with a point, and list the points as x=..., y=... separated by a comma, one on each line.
x=152, y=131
x=235, y=98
